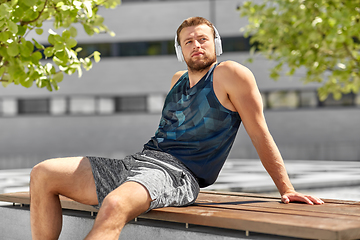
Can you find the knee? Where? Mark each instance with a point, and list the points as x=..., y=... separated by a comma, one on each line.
x=116, y=205
x=112, y=203
x=40, y=174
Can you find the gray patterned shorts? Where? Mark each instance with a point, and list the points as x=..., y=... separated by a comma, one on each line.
x=167, y=180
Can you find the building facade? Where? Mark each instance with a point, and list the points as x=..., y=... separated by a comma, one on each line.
x=114, y=108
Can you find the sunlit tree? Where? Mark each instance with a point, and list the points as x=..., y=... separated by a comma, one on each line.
x=321, y=36
x=20, y=57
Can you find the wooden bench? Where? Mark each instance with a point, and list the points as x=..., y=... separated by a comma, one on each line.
x=249, y=212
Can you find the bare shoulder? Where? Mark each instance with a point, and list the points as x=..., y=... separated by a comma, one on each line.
x=176, y=77
x=235, y=71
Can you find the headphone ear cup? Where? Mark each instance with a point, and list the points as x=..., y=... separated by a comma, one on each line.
x=218, y=47
x=179, y=53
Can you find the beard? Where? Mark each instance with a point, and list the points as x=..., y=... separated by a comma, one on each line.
x=201, y=64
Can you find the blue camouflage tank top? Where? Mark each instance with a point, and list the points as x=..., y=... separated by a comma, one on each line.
x=195, y=128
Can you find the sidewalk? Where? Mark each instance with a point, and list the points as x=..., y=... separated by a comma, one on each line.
x=326, y=179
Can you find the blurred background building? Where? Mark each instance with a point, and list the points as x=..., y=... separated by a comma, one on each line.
x=114, y=108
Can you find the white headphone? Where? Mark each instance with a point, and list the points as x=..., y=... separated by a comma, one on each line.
x=218, y=46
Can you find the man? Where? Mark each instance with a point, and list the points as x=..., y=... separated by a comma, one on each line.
x=201, y=116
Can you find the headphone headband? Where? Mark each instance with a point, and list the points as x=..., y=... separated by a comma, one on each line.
x=218, y=46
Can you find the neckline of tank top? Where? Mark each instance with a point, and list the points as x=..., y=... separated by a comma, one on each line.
x=203, y=79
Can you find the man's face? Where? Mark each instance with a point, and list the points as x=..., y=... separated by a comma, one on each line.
x=198, y=48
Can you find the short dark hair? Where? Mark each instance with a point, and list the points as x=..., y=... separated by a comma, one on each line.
x=193, y=21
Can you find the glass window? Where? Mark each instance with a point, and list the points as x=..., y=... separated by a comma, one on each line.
x=346, y=100
x=106, y=105
x=308, y=99
x=130, y=104
x=9, y=107
x=155, y=103
x=82, y=105
x=58, y=106
x=33, y=106
x=283, y=99
x=357, y=99
x=104, y=48
x=235, y=44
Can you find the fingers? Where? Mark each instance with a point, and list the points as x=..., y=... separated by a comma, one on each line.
x=298, y=197
x=315, y=200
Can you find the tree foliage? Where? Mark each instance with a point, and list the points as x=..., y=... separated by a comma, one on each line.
x=20, y=57
x=322, y=36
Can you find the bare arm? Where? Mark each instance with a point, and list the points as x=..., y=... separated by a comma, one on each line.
x=243, y=93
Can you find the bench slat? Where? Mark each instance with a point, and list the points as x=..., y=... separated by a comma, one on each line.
x=249, y=212
x=264, y=222
x=328, y=210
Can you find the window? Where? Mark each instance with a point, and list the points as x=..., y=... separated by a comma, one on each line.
x=130, y=104
x=82, y=105
x=58, y=106
x=283, y=99
x=346, y=100
x=155, y=103
x=235, y=44
x=308, y=99
x=106, y=105
x=33, y=106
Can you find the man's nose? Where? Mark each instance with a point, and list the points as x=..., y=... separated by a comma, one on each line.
x=197, y=44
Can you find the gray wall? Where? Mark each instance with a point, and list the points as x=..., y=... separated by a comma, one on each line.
x=329, y=134
x=302, y=134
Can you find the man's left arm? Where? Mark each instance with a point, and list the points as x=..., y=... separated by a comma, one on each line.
x=243, y=93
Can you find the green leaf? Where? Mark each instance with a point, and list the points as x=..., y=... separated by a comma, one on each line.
x=49, y=51
x=4, y=10
x=2, y=70
x=13, y=27
x=4, y=36
x=13, y=49
x=39, y=31
x=70, y=43
x=59, y=47
x=27, y=82
x=38, y=45
x=51, y=39
x=96, y=56
x=36, y=56
x=58, y=77
x=30, y=3
x=66, y=34
x=88, y=29
x=21, y=30
x=26, y=48
x=73, y=32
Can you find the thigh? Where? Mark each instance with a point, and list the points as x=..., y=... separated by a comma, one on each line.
x=70, y=177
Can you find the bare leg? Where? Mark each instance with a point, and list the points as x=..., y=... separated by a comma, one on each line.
x=120, y=206
x=71, y=177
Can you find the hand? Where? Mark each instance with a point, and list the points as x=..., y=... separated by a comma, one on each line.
x=298, y=197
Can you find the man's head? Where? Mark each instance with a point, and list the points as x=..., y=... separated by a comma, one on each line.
x=195, y=34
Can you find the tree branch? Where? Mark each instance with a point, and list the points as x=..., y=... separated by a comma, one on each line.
x=351, y=55
x=24, y=23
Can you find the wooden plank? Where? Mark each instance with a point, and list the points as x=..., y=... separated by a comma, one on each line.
x=249, y=212
x=335, y=201
x=328, y=210
x=269, y=223
x=66, y=203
